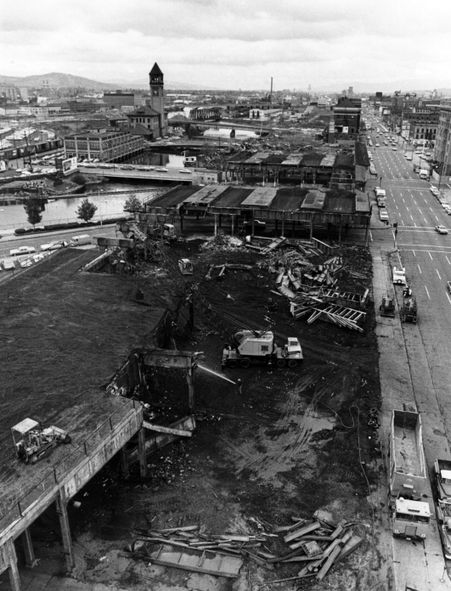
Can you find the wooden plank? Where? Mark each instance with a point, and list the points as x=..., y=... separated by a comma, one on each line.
x=350, y=546
x=300, y=558
x=169, y=530
x=329, y=562
x=338, y=530
x=307, y=529
x=169, y=430
x=208, y=563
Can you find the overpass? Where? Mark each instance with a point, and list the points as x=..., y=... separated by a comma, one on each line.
x=130, y=172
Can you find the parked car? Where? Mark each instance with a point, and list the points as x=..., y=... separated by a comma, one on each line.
x=434, y=190
x=22, y=250
x=441, y=229
x=383, y=215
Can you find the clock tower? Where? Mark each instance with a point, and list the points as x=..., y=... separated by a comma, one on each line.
x=157, y=95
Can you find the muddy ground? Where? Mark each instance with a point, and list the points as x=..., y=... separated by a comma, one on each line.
x=292, y=441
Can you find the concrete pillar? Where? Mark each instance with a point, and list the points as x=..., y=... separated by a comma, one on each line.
x=125, y=472
x=142, y=453
x=13, y=571
x=253, y=226
x=61, y=509
x=233, y=225
x=216, y=223
x=27, y=542
x=283, y=227
x=189, y=379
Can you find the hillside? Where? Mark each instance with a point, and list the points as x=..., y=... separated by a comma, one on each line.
x=55, y=80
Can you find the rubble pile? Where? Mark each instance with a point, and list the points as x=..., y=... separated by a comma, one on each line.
x=315, y=285
x=222, y=242
x=315, y=544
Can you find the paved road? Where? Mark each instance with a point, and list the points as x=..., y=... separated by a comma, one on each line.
x=417, y=356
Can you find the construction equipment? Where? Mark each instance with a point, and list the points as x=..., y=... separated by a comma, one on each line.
x=32, y=442
x=387, y=307
x=250, y=346
x=408, y=311
x=186, y=267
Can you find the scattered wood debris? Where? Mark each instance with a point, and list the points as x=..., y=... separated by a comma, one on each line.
x=317, y=545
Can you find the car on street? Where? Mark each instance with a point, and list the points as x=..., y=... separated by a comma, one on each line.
x=55, y=245
x=394, y=148
x=22, y=250
x=434, y=190
x=377, y=144
x=441, y=229
x=383, y=214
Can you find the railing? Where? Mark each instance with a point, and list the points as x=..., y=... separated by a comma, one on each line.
x=53, y=477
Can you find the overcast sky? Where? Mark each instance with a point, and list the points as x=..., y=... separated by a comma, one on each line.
x=328, y=44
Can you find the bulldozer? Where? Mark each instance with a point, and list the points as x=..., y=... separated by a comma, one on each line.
x=32, y=442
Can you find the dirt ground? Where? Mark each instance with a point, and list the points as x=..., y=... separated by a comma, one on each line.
x=293, y=441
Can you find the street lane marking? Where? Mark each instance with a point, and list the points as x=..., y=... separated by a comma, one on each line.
x=447, y=295
x=425, y=219
x=449, y=262
x=430, y=256
x=419, y=269
x=427, y=292
x=439, y=276
x=414, y=253
x=436, y=218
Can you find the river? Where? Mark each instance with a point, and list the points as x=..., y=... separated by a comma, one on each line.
x=108, y=204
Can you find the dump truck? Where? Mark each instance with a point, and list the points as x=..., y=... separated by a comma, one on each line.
x=411, y=519
x=411, y=514
x=32, y=442
x=408, y=473
x=249, y=347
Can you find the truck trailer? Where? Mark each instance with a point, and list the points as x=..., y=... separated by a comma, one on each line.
x=408, y=473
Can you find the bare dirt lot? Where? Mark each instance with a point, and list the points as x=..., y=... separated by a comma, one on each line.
x=287, y=442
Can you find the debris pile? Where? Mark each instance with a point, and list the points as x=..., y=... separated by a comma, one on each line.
x=316, y=544
x=314, y=286
x=222, y=242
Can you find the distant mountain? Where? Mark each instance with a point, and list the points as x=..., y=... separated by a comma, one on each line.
x=55, y=80
x=59, y=80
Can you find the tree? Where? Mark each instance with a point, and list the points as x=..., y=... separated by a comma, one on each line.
x=34, y=208
x=133, y=204
x=86, y=210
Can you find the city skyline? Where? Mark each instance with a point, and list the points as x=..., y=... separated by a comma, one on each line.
x=230, y=44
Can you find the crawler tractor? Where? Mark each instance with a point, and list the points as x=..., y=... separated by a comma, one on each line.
x=32, y=442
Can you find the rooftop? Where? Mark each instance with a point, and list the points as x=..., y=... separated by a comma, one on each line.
x=64, y=335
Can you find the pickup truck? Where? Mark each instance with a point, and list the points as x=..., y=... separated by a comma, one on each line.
x=399, y=276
